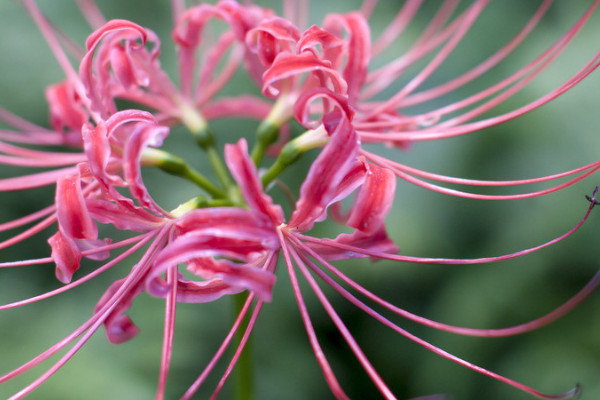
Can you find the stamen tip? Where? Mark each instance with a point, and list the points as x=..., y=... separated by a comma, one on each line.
x=592, y=199
x=574, y=393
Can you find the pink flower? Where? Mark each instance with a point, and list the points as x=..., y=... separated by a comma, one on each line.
x=229, y=235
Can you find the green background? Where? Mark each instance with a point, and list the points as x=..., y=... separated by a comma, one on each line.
x=560, y=136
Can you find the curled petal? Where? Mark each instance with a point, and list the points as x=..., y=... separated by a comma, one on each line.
x=73, y=216
x=359, y=48
x=272, y=37
x=244, y=172
x=374, y=200
x=125, y=69
x=187, y=33
x=325, y=175
x=232, y=222
x=66, y=255
x=119, y=327
x=331, y=100
x=316, y=38
x=99, y=141
x=204, y=291
x=142, y=136
x=229, y=237
x=97, y=85
x=123, y=217
x=67, y=113
x=375, y=241
x=96, y=146
x=288, y=65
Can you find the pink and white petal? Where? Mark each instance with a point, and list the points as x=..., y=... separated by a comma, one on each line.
x=376, y=241
x=244, y=172
x=192, y=247
x=332, y=46
x=72, y=213
x=327, y=172
x=123, y=216
x=119, y=327
x=125, y=69
x=67, y=112
x=271, y=37
x=331, y=100
x=66, y=256
x=232, y=222
x=287, y=65
x=96, y=91
x=359, y=48
x=204, y=291
x=374, y=200
x=142, y=136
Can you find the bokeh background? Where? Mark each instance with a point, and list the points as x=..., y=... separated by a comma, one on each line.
x=560, y=136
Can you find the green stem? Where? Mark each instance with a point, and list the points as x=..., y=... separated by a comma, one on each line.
x=243, y=377
x=177, y=166
x=292, y=151
x=206, y=140
x=219, y=167
x=266, y=135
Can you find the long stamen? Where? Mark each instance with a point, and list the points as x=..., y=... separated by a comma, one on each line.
x=445, y=261
x=573, y=393
x=221, y=350
x=537, y=323
x=88, y=327
x=169, y=332
x=142, y=241
x=362, y=358
x=332, y=381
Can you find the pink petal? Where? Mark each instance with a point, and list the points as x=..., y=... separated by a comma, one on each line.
x=359, y=48
x=96, y=86
x=126, y=70
x=66, y=255
x=126, y=218
x=316, y=38
x=331, y=101
x=325, y=175
x=376, y=241
x=73, y=216
x=271, y=37
x=374, y=200
x=244, y=172
x=142, y=136
x=288, y=65
x=119, y=327
x=205, y=291
x=67, y=112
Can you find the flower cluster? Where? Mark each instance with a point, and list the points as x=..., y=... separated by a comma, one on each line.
x=320, y=81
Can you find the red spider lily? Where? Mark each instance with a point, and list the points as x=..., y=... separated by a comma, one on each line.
x=231, y=242
x=332, y=63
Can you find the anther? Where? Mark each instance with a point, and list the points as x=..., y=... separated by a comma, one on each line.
x=592, y=199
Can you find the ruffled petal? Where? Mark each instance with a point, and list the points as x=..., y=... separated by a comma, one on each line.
x=272, y=37
x=287, y=66
x=66, y=256
x=374, y=200
x=326, y=173
x=72, y=213
x=244, y=172
x=377, y=241
x=119, y=327
x=142, y=136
